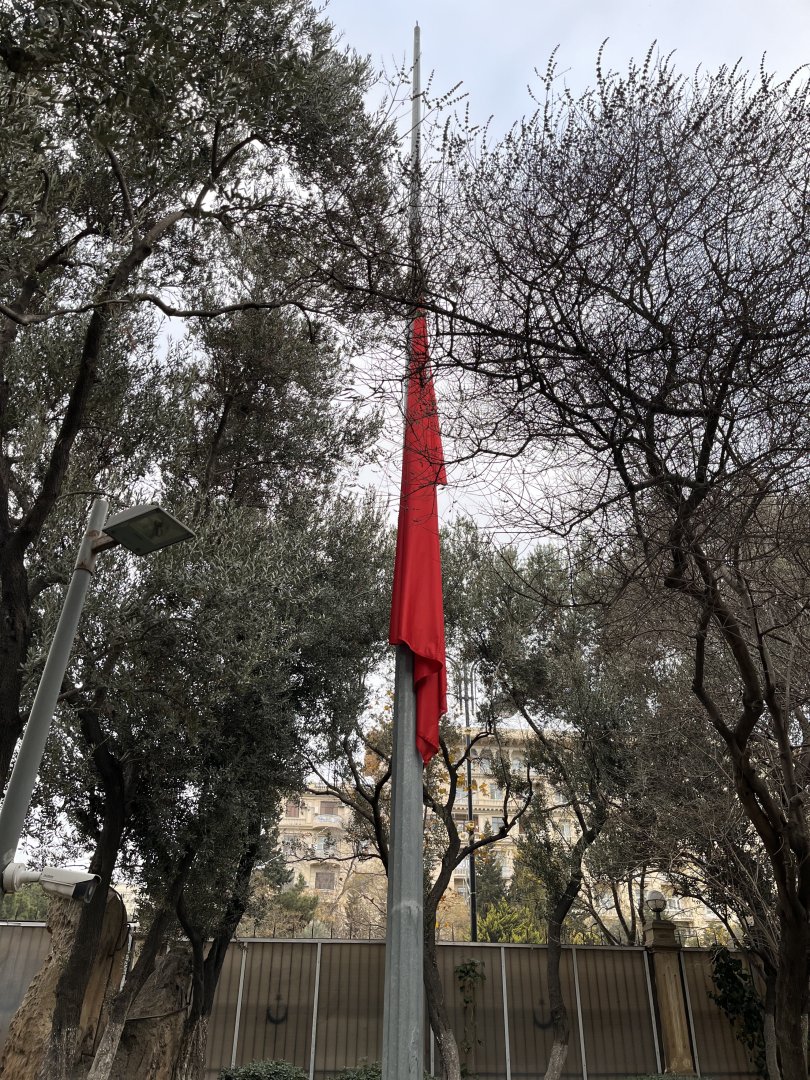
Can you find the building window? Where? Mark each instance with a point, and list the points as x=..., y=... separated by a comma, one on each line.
x=497, y=823
x=460, y=886
x=328, y=807
x=323, y=847
x=325, y=880
x=293, y=808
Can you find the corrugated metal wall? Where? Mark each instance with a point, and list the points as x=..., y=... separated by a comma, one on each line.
x=279, y=999
x=23, y=948
x=608, y=992
x=720, y=1054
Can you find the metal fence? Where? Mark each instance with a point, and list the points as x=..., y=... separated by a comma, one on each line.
x=319, y=1004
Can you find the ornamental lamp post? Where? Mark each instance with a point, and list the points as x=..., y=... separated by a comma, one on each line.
x=656, y=902
x=467, y=675
x=142, y=530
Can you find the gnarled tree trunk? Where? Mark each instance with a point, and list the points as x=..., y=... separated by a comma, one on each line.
x=190, y=1062
x=153, y=1034
x=27, y=1044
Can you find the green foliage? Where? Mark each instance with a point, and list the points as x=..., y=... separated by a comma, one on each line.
x=278, y=913
x=469, y=976
x=28, y=904
x=736, y=995
x=370, y=1071
x=507, y=921
x=264, y=1070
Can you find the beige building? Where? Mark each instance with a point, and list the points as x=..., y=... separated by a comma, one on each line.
x=319, y=844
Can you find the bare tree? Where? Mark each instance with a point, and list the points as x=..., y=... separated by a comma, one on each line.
x=625, y=296
x=362, y=782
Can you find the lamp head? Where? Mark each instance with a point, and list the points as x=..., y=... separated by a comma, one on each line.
x=656, y=902
x=146, y=528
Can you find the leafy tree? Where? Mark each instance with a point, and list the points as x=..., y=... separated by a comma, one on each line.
x=270, y=624
x=506, y=921
x=278, y=912
x=29, y=904
x=150, y=155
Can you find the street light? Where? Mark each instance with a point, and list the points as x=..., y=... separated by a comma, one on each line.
x=656, y=902
x=142, y=529
x=466, y=677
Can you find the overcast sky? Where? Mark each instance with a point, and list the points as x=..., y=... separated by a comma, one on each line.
x=494, y=47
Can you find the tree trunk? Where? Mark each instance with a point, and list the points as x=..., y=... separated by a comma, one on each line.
x=791, y=996
x=191, y=1057
x=68, y=1041
x=437, y=1011
x=769, y=1026
x=206, y=969
x=15, y=617
x=30, y=1027
x=26, y=1050
x=153, y=1035
x=559, y=1013
x=119, y=1009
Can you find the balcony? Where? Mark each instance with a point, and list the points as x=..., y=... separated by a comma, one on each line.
x=329, y=821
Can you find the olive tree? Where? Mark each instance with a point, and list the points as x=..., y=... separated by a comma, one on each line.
x=148, y=154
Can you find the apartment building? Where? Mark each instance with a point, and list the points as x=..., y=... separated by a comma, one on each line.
x=319, y=844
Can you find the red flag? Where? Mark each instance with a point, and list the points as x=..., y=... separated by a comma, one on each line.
x=417, y=614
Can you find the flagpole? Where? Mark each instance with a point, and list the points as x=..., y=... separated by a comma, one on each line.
x=403, y=1001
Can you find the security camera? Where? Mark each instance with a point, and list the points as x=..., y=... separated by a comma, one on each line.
x=73, y=884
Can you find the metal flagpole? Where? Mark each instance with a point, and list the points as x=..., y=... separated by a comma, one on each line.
x=403, y=1051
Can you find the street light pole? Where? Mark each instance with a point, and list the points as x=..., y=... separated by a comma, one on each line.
x=142, y=529
x=466, y=675
x=23, y=777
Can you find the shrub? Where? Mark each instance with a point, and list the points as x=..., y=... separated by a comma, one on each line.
x=264, y=1070
x=738, y=998
x=369, y=1071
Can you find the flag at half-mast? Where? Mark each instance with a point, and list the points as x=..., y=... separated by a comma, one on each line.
x=417, y=613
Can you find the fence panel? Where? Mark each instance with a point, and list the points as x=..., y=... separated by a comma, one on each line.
x=349, y=1006
x=486, y=1058
x=276, y=1009
x=23, y=948
x=530, y=1035
x=720, y=1053
x=223, y=1015
x=616, y=1015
